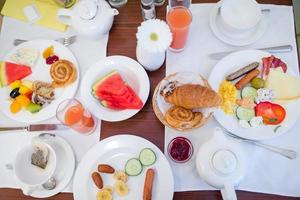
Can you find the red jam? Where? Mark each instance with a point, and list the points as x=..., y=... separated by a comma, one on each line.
x=180, y=149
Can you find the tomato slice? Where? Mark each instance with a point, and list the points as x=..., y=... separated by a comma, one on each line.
x=271, y=113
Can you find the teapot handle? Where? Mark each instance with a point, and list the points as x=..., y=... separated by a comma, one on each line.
x=64, y=16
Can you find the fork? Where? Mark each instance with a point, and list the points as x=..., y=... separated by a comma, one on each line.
x=66, y=41
x=288, y=153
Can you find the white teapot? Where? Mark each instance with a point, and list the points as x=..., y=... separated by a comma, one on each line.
x=91, y=18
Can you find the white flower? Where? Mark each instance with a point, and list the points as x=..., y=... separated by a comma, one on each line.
x=154, y=35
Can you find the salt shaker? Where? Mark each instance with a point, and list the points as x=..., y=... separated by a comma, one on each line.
x=148, y=9
x=153, y=39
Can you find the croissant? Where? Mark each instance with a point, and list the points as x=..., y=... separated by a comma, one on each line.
x=192, y=96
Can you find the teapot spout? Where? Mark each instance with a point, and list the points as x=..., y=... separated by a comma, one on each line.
x=114, y=11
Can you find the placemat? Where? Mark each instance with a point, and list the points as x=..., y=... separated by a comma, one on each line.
x=267, y=172
x=86, y=52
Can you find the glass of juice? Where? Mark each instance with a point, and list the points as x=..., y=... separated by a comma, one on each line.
x=71, y=112
x=179, y=19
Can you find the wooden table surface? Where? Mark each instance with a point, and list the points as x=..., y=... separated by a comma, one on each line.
x=122, y=41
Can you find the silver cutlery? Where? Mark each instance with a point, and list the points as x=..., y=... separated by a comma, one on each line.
x=288, y=153
x=36, y=127
x=66, y=41
x=275, y=49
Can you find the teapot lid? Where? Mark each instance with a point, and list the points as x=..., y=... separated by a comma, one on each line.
x=87, y=9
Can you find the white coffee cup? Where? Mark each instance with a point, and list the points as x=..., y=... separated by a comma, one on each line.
x=239, y=18
x=29, y=175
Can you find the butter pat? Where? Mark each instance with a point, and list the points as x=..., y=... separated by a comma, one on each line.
x=31, y=13
x=285, y=87
x=25, y=56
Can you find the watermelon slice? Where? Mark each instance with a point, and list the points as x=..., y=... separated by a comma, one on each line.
x=114, y=93
x=9, y=72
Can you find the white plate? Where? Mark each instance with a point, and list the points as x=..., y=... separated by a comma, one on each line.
x=241, y=41
x=116, y=150
x=132, y=73
x=232, y=63
x=41, y=71
x=65, y=166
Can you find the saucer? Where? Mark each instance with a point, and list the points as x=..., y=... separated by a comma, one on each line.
x=64, y=168
x=237, y=41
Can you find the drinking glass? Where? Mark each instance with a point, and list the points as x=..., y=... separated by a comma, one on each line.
x=179, y=19
x=71, y=112
x=184, y=3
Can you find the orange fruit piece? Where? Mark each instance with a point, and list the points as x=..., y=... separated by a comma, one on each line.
x=23, y=100
x=49, y=51
x=73, y=115
x=15, y=107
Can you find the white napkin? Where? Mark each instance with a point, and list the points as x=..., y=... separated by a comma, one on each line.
x=267, y=172
x=86, y=51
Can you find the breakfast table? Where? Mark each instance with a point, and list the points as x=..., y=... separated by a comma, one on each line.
x=122, y=41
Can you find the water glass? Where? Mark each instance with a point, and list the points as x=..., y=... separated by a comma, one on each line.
x=184, y=3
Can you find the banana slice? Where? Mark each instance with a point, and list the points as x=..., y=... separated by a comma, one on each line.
x=121, y=176
x=108, y=188
x=121, y=188
x=104, y=195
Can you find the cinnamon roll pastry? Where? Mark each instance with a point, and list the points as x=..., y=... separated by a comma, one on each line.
x=192, y=96
x=181, y=118
x=63, y=73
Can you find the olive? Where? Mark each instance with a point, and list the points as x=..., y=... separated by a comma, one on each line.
x=14, y=93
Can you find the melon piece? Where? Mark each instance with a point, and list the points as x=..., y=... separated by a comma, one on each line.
x=113, y=92
x=9, y=72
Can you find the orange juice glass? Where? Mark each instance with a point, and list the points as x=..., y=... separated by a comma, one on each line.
x=179, y=19
x=71, y=113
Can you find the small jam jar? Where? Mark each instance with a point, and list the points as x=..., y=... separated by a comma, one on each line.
x=180, y=149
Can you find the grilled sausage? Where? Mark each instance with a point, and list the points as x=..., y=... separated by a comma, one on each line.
x=147, y=195
x=242, y=71
x=246, y=79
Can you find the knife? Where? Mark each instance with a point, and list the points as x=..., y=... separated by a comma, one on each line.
x=276, y=49
x=36, y=127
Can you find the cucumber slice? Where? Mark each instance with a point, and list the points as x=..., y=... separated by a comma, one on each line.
x=244, y=113
x=147, y=157
x=249, y=92
x=133, y=167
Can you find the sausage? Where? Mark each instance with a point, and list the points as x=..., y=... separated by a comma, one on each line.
x=147, y=195
x=97, y=180
x=242, y=71
x=246, y=79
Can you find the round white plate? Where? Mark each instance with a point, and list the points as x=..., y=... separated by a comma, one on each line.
x=41, y=71
x=65, y=166
x=132, y=73
x=115, y=151
x=241, y=41
x=232, y=63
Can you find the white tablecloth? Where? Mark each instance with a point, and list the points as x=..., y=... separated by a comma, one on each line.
x=86, y=51
x=267, y=172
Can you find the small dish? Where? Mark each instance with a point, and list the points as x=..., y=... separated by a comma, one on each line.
x=180, y=149
x=237, y=40
x=132, y=73
x=160, y=106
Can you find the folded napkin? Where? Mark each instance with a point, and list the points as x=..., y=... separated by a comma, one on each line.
x=47, y=9
x=266, y=172
x=93, y=51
